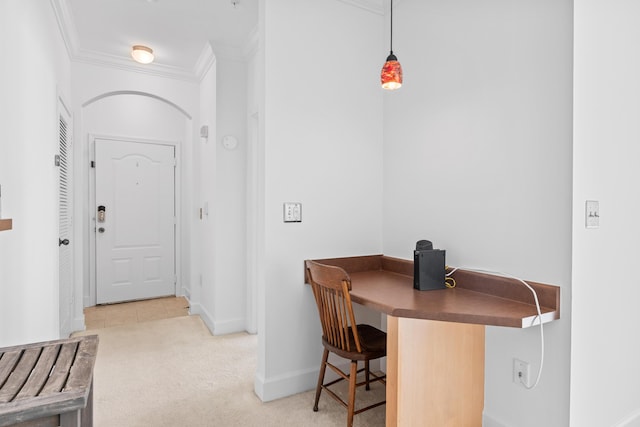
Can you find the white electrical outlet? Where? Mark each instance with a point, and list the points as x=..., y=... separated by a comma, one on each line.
x=521, y=372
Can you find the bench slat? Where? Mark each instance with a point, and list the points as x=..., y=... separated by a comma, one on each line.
x=8, y=361
x=40, y=373
x=60, y=373
x=19, y=376
x=82, y=368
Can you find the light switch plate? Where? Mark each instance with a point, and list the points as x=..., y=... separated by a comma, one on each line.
x=292, y=212
x=592, y=214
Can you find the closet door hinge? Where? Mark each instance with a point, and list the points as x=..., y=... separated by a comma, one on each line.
x=93, y=163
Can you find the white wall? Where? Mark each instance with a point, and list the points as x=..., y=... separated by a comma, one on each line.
x=220, y=295
x=477, y=158
x=130, y=117
x=322, y=115
x=605, y=350
x=213, y=179
x=230, y=187
x=253, y=180
x=34, y=72
x=108, y=101
x=203, y=237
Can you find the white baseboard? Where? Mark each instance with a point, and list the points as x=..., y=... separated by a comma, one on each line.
x=78, y=323
x=186, y=292
x=300, y=381
x=285, y=385
x=488, y=421
x=632, y=420
x=196, y=308
x=230, y=326
x=221, y=327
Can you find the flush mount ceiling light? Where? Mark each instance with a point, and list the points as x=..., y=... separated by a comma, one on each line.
x=142, y=54
x=391, y=75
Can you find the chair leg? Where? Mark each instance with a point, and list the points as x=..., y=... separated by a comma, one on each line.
x=352, y=392
x=323, y=368
x=366, y=373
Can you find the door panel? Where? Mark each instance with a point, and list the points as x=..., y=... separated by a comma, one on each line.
x=135, y=242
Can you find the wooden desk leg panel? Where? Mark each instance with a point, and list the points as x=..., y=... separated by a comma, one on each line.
x=435, y=373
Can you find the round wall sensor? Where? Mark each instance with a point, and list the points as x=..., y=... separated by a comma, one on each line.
x=229, y=142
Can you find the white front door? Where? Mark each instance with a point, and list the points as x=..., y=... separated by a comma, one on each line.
x=135, y=220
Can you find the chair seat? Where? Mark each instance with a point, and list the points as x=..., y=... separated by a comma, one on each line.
x=373, y=342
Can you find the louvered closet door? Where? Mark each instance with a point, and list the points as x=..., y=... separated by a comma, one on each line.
x=64, y=227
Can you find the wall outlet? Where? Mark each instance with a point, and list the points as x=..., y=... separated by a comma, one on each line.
x=521, y=372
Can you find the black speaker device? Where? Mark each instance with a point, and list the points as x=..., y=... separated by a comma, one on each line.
x=428, y=267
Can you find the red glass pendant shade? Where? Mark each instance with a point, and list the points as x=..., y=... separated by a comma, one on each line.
x=391, y=75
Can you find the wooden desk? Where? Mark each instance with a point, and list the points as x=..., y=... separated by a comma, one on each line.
x=435, y=339
x=48, y=384
x=6, y=224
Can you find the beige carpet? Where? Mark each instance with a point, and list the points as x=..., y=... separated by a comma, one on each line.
x=173, y=372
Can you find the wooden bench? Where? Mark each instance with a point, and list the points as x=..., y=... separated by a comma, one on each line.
x=48, y=384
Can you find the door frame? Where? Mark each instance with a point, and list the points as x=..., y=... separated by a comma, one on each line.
x=254, y=230
x=66, y=292
x=92, y=202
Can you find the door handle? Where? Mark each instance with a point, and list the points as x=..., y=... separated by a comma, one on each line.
x=63, y=242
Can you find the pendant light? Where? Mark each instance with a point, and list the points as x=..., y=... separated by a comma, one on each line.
x=391, y=75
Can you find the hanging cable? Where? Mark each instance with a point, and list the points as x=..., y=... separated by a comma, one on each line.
x=538, y=317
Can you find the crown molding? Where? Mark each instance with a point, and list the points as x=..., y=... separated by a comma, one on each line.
x=213, y=51
x=375, y=6
x=70, y=38
x=124, y=63
x=205, y=61
x=231, y=53
x=380, y=7
x=252, y=43
x=241, y=54
x=210, y=52
x=66, y=26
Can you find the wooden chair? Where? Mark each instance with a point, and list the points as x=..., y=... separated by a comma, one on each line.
x=342, y=336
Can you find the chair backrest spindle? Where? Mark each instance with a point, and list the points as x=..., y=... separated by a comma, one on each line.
x=331, y=286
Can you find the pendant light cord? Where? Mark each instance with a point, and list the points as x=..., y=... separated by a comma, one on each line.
x=391, y=37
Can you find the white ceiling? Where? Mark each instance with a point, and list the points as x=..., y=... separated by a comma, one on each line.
x=184, y=34
x=180, y=32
